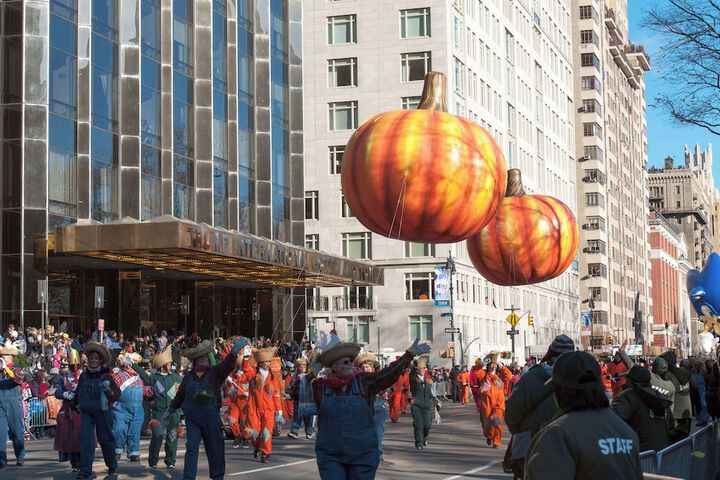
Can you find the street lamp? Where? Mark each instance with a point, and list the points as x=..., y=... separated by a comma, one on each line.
x=450, y=265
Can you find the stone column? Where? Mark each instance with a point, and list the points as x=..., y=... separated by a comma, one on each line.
x=203, y=112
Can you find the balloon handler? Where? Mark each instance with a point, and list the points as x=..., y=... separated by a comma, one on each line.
x=347, y=444
x=423, y=399
x=199, y=397
x=94, y=397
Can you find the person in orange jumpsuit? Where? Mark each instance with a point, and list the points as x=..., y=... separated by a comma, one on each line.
x=264, y=405
x=238, y=393
x=464, y=385
x=614, y=369
x=398, y=394
x=405, y=377
x=492, y=399
x=474, y=382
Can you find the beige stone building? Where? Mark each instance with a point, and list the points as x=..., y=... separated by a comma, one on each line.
x=611, y=148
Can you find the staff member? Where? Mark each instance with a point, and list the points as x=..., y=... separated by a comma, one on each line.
x=11, y=413
x=587, y=441
x=199, y=397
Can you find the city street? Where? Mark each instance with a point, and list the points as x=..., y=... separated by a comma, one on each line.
x=457, y=450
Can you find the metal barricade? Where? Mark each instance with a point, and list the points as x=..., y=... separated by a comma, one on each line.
x=36, y=416
x=648, y=460
x=676, y=460
x=703, y=453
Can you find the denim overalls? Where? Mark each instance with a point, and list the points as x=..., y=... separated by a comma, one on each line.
x=128, y=414
x=347, y=445
x=95, y=416
x=380, y=408
x=11, y=416
x=202, y=420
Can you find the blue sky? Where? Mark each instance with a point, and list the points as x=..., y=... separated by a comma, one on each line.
x=664, y=137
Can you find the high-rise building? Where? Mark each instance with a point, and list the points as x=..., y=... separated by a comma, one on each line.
x=611, y=139
x=509, y=69
x=154, y=148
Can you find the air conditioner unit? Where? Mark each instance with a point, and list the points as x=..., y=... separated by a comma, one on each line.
x=587, y=179
x=584, y=158
x=586, y=250
x=582, y=109
x=586, y=226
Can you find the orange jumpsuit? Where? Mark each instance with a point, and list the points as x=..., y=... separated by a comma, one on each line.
x=264, y=402
x=475, y=384
x=464, y=383
x=397, y=396
x=238, y=404
x=492, y=402
x=616, y=369
x=405, y=393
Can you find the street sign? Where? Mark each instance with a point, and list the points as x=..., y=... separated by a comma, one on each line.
x=101, y=324
x=446, y=314
x=442, y=303
x=513, y=319
x=452, y=330
x=512, y=332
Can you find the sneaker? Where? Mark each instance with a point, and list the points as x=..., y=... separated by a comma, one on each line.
x=425, y=443
x=418, y=447
x=118, y=456
x=171, y=466
x=292, y=435
x=264, y=458
x=74, y=469
x=135, y=458
x=309, y=436
x=112, y=471
x=20, y=462
x=489, y=442
x=496, y=446
x=256, y=452
x=393, y=421
x=245, y=444
x=236, y=443
x=152, y=465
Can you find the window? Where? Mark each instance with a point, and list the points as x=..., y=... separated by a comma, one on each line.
x=593, y=151
x=357, y=245
x=511, y=119
x=588, y=36
x=410, y=103
x=587, y=12
x=593, y=175
x=336, y=155
x=677, y=204
x=509, y=46
x=343, y=115
x=312, y=328
x=312, y=241
x=591, y=83
x=419, y=286
x=595, y=223
x=415, y=66
x=415, y=23
x=592, y=129
x=358, y=329
x=342, y=29
x=419, y=249
x=346, y=212
x=589, y=60
x=421, y=327
x=312, y=206
x=342, y=72
x=595, y=246
x=590, y=106
x=597, y=270
x=677, y=189
x=357, y=298
x=594, y=200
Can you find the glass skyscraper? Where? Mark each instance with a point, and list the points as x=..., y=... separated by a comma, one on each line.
x=183, y=108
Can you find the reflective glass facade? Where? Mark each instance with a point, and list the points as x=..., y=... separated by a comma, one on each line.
x=170, y=107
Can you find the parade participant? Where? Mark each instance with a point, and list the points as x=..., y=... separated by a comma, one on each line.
x=199, y=397
x=645, y=410
x=265, y=407
x=398, y=395
x=531, y=405
x=587, y=441
x=367, y=362
x=492, y=399
x=94, y=396
x=346, y=445
x=682, y=404
x=67, y=430
x=474, y=382
x=128, y=412
x=463, y=380
x=660, y=379
x=614, y=369
x=423, y=399
x=11, y=412
x=405, y=392
x=238, y=394
x=299, y=390
x=165, y=384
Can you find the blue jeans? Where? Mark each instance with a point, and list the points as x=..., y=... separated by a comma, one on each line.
x=381, y=415
x=298, y=420
x=210, y=431
x=702, y=415
x=90, y=423
x=128, y=420
x=11, y=417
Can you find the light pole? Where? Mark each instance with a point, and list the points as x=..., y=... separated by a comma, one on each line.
x=450, y=265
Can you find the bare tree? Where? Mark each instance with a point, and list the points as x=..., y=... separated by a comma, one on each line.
x=689, y=60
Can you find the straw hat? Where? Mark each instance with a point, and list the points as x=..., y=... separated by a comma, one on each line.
x=99, y=348
x=9, y=349
x=366, y=357
x=264, y=354
x=493, y=357
x=73, y=357
x=300, y=361
x=200, y=350
x=134, y=357
x=422, y=361
x=162, y=358
x=340, y=350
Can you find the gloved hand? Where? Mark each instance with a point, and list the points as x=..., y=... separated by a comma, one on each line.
x=238, y=345
x=418, y=348
x=68, y=395
x=279, y=419
x=105, y=384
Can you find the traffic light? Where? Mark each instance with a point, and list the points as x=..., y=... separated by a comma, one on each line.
x=531, y=321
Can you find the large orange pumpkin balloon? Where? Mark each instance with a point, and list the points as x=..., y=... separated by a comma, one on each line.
x=532, y=239
x=423, y=175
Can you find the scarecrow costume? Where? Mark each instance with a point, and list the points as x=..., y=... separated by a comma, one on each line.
x=300, y=392
x=67, y=431
x=11, y=412
x=128, y=412
x=398, y=398
x=492, y=399
x=237, y=391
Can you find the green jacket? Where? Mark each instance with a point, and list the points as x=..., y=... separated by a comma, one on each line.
x=531, y=404
x=648, y=413
x=421, y=392
x=163, y=386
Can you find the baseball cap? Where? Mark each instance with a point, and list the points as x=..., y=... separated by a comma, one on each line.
x=577, y=370
x=561, y=344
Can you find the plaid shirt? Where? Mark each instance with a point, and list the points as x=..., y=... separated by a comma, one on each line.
x=370, y=383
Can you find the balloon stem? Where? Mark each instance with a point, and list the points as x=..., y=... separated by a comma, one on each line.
x=433, y=94
x=514, y=185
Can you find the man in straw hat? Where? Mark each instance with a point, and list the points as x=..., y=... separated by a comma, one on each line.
x=264, y=407
x=346, y=444
x=164, y=382
x=67, y=430
x=11, y=413
x=199, y=397
x=367, y=362
x=128, y=411
x=94, y=397
x=423, y=399
x=300, y=391
x=492, y=381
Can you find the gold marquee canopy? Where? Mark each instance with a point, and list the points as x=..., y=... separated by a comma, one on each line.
x=170, y=243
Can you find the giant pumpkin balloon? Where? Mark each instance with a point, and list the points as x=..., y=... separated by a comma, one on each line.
x=423, y=175
x=532, y=239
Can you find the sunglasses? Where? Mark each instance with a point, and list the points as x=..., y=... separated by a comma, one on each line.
x=347, y=361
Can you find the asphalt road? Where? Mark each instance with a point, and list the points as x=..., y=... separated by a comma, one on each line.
x=457, y=450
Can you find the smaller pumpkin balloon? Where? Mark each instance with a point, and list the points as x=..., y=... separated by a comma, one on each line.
x=532, y=239
x=423, y=175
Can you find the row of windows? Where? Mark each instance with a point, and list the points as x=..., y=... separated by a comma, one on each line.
x=343, y=72
x=358, y=328
x=414, y=23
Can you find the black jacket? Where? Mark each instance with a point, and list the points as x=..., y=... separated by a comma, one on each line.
x=648, y=413
x=531, y=404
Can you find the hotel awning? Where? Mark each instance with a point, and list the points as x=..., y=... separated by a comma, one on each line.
x=170, y=243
